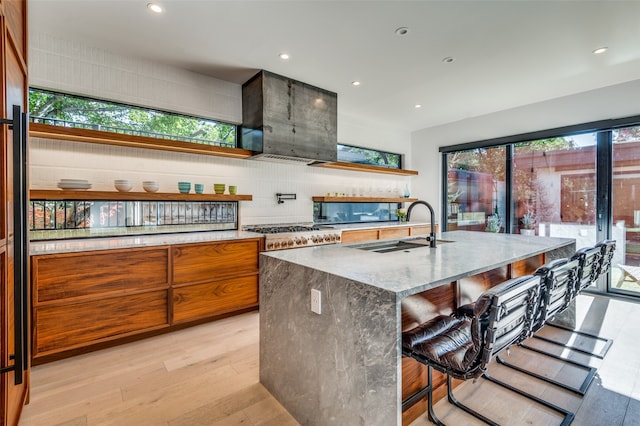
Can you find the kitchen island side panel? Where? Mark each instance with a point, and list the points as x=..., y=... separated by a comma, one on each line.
x=339, y=367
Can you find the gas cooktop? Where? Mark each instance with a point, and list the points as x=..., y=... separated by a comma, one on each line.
x=286, y=236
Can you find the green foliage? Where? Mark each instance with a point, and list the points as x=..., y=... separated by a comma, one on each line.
x=551, y=144
x=627, y=134
x=494, y=222
x=528, y=220
x=483, y=160
x=110, y=116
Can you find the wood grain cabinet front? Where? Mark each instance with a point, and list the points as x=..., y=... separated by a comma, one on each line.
x=92, y=297
x=86, y=300
x=194, y=263
x=360, y=235
x=198, y=301
x=214, y=278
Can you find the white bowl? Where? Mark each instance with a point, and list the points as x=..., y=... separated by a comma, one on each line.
x=124, y=181
x=123, y=187
x=150, y=186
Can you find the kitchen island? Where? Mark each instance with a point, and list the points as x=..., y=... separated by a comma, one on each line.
x=344, y=365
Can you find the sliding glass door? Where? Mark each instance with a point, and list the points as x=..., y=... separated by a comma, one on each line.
x=554, y=188
x=625, y=272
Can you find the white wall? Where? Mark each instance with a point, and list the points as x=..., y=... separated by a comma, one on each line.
x=73, y=67
x=610, y=102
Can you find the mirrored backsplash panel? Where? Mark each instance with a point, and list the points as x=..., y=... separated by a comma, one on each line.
x=356, y=212
x=50, y=219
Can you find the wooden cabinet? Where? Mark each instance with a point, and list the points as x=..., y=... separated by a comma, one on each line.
x=85, y=299
x=91, y=297
x=71, y=325
x=94, y=274
x=199, y=301
x=360, y=235
x=393, y=232
x=214, y=278
x=195, y=263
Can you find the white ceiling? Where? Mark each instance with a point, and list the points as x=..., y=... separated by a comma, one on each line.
x=507, y=53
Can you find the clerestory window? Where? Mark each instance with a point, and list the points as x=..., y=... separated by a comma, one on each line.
x=66, y=110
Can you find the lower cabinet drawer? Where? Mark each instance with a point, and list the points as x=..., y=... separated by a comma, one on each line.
x=359, y=235
x=71, y=325
x=198, y=301
x=394, y=232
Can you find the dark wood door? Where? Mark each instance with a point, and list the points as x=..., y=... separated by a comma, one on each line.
x=13, y=70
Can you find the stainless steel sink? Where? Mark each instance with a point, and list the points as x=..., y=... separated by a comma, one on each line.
x=391, y=246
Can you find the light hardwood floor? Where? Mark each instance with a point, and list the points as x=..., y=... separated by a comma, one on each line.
x=208, y=375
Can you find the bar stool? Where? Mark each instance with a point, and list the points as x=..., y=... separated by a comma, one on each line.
x=594, y=262
x=462, y=345
x=558, y=281
x=607, y=249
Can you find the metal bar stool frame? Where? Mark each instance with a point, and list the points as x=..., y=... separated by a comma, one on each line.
x=502, y=316
x=558, y=280
x=594, y=263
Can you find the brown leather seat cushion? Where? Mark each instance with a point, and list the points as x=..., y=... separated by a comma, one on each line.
x=445, y=340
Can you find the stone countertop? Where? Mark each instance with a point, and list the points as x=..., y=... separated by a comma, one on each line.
x=412, y=271
x=112, y=243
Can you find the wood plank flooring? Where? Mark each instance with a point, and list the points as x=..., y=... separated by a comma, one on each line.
x=208, y=375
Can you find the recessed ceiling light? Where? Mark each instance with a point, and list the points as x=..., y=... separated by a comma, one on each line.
x=418, y=105
x=448, y=59
x=402, y=31
x=600, y=50
x=154, y=7
x=284, y=56
x=355, y=83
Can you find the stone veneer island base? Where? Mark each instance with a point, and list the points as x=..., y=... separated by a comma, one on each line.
x=344, y=366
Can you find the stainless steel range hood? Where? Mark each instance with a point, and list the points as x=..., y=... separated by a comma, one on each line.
x=287, y=120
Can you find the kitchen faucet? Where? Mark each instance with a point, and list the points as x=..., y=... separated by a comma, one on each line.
x=432, y=235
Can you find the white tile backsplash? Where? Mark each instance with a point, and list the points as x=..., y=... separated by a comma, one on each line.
x=71, y=66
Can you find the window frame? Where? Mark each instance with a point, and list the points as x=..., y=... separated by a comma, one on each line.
x=388, y=166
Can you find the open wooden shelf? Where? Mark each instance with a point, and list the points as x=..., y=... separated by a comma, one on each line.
x=47, y=131
x=38, y=130
x=46, y=194
x=363, y=199
x=367, y=168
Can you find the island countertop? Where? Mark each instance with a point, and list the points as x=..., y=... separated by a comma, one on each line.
x=460, y=254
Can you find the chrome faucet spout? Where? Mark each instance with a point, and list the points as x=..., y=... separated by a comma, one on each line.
x=432, y=234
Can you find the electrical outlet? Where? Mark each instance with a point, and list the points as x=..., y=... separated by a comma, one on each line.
x=316, y=301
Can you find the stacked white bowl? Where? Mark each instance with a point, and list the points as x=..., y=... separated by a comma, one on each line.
x=150, y=185
x=122, y=185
